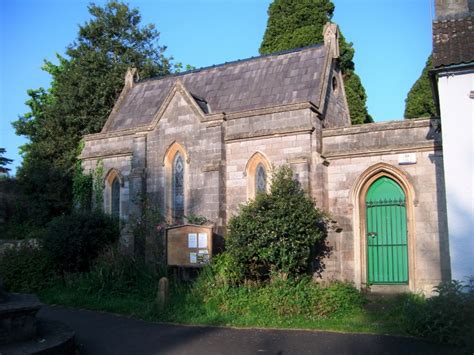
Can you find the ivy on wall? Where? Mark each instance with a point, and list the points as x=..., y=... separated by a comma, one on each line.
x=88, y=187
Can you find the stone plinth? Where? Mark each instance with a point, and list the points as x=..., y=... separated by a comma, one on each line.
x=18, y=318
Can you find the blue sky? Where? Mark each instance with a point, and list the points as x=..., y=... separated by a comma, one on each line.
x=392, y=39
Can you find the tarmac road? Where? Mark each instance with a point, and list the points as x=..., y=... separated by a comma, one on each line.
x=101, y=333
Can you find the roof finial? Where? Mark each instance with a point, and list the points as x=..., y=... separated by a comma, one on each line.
x=331, y=38
x=130, y=76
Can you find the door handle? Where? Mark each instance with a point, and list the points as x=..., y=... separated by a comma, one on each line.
x=372, y=234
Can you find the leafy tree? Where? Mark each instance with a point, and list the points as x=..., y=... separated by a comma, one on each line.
x=84, y=87
x=298, y=23
x=279, y=232
x=4, y=162
x=26, y=268
x=73, y=241
x=419, y=101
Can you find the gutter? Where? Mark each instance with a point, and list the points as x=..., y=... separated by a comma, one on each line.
x=453, y=67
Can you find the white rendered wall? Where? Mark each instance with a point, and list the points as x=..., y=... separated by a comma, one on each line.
x=457, y=118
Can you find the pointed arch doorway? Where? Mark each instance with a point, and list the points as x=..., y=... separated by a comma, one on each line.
x=386, y=233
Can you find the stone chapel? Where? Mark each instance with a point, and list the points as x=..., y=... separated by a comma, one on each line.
x=204, y=141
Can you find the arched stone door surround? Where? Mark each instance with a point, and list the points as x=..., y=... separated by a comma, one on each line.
x=358, y=196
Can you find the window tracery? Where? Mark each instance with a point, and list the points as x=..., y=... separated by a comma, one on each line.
x=260, y=179
x=115, y=198
x=178, y=188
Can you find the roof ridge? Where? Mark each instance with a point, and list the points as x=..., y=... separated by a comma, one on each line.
x=274, y=54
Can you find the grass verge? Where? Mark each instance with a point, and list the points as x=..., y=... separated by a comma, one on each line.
x=186, y=306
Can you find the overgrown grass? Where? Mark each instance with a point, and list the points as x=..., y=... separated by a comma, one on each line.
x=188, y=307
x=251, y=306
x=116, y=283
x=382, y=316
x=271, y=305
x=133, y=306
x=122, y=285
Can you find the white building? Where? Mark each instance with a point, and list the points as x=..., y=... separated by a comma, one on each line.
x=453, y=74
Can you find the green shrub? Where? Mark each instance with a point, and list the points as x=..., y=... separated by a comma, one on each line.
x=447, y=317
x=148, y=225
x=281, y=232
x=17, y=221
x=114, y=274
x=223, y=270
x=26, y=268
x=75, y=240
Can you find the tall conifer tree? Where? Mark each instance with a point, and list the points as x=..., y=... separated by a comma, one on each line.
x=299, y=23
x=419, y=101
x=4, y=161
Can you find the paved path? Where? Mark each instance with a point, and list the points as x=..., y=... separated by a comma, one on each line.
x=104, y=334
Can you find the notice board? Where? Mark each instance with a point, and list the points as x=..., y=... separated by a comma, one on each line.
x=189, y=245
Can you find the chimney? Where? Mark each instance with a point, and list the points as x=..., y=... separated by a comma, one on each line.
x=449, y=9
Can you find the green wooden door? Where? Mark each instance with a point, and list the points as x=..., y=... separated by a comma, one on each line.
x=386, y=228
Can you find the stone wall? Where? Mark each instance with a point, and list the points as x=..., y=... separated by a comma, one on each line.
x=335, y=110
x=282, y=138
x=115, y=152
x=350, y=153
x=203, y=145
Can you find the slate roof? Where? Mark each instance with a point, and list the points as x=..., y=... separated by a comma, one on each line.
x=282, y=78
x=453, y=41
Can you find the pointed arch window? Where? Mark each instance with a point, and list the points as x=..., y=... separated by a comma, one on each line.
x=175, y=163
x=257, y=170
x=113, y=183
x=260, y=179
x=115, y=198
x=178, y=188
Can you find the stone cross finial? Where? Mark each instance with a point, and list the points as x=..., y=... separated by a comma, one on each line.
x=331, y=38
x=130, y=77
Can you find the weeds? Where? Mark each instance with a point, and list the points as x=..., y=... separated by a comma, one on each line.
x=447, y=317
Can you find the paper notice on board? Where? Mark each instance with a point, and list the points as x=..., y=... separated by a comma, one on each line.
x=193, y=258
x=203, y=256
x=202, y=240
x=192, y=240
